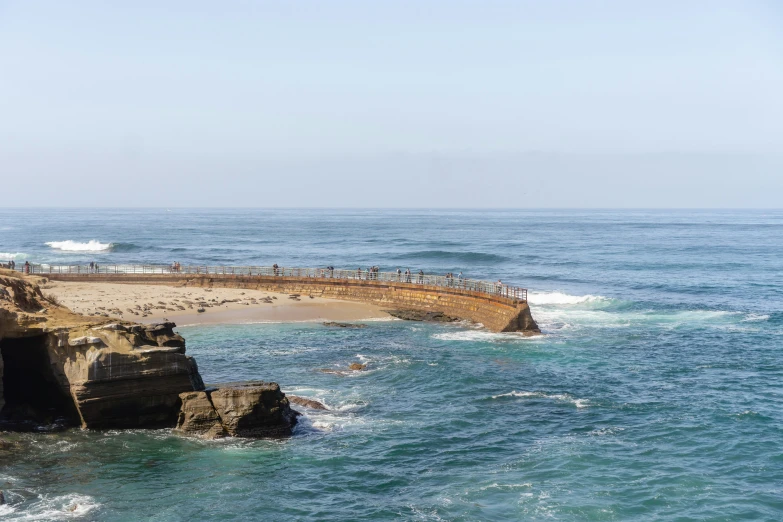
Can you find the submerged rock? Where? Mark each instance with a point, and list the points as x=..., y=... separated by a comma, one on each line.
x=357, y=366
x=343, y=325
x=420, y=315
x=249, y=409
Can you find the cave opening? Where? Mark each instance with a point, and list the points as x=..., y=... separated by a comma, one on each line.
x=34, y=401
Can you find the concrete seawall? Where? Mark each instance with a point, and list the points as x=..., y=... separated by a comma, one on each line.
x=498, y=313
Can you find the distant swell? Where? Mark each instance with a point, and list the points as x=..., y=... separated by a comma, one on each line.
x=74, y=246
x=465, y=257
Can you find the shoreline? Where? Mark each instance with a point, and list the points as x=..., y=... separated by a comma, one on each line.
x=150, y=303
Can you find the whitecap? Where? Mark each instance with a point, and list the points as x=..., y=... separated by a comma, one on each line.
x=559, y=298
x=562, y=397
x=74, y=246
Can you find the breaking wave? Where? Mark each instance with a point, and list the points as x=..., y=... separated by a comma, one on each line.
x=7, y=256
x=559, y=298
x=74, y=246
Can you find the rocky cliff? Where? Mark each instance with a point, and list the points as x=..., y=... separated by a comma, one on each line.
x=61, y=368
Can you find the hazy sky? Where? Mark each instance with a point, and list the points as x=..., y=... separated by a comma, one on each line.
x=373, y=103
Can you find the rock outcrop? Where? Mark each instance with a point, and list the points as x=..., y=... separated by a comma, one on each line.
x=307, y=403
x=56, y=364
x=250, y=409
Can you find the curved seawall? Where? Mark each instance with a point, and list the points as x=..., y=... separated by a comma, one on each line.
x=496, y=312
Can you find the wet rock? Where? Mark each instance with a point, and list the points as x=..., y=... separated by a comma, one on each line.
x=357, y=366
x=307, y=403
x=248, y=409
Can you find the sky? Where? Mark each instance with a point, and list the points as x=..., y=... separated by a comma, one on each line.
x=423, y=104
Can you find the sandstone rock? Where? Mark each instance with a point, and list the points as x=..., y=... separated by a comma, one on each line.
x=63, y=365
x=249, y=409
x=198, y=417
x=307, y=403
x=357, y=366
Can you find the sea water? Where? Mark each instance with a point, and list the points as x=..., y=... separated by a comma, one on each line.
x=656, y=392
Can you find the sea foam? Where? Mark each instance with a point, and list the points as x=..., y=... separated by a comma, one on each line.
x=559, y=298
x=562, y=397
x=75, y=246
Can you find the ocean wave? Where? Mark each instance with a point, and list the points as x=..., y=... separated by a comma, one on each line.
x=562, y=397
x=554, y=319
x=74, y=246
x=559, y=298
x=7, y=256
x=465, y=257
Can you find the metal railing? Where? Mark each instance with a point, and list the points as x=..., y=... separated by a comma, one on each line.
x=456, y=283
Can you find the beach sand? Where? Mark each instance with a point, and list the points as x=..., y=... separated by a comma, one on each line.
x=153, y=303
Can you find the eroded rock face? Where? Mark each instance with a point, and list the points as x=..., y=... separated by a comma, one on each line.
x=117, y=375
x=250, y=409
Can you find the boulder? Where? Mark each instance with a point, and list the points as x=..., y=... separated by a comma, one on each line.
x=357, y=366
x=248, y=409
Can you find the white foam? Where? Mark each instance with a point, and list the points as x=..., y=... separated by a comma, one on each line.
x=476, y=335
x=56, y=508
x=562, y=397
x=750, y=318
x=559, y=298
x=74, y=246
x=7, y=256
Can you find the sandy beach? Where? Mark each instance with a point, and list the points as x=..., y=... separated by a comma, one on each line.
x=153, y=303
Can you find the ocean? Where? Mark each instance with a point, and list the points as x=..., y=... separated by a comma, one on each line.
x=655, y=393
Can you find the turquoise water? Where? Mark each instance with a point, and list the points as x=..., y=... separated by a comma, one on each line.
x=655, y=393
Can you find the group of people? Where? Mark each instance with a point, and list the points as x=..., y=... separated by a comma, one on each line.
x=450, y=278
x=370, y=274
x=175, y=266
x=93, y=267
x=11, y=264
